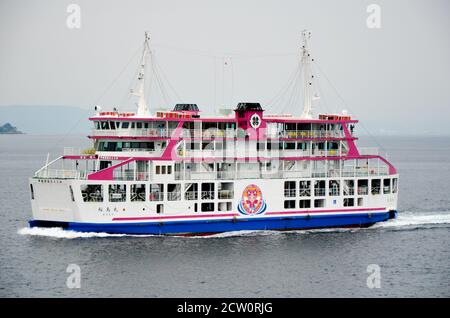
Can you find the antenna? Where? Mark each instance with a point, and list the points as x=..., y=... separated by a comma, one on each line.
x=142, y=108
x=307, y=76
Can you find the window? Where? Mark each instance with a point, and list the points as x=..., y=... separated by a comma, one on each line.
x=319, y=203
x=160, y=208
x=387, y=186
x=117, y=192
x=360, y=201
x=208, y=207
x=319, y=188
x=125, y=125
x=169, y=169
x=104, y=125
x=134, y=145
x=261, y=146
x=375, y=184
x=32, y=192
x=363, y=187
x=289, y=146
x=289, y=204
x=290, y=188
x=305, y=188
x=92, y=192
x=349, y=187
x=138, y=125
x=137, y=192
x=334, y=187
x=207, y=191
x=158, y=170
x=304, y=204
x=163, y=169
x=174, y=192
x=349, y=202
x=394, y=185
x=191, y=191
x=156, y=192
x=225, y=190
x=225, y=206
x=207, y=145
x=71, y=193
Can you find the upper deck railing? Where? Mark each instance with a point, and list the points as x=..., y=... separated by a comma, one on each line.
x=306, y=134
x=136, y=132
x=216, y=133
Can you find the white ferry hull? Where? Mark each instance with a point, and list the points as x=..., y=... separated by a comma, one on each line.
x=53, y=207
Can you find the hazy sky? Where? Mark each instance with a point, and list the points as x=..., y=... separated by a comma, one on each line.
x=395, y=79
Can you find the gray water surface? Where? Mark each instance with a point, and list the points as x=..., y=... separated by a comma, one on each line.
x=412, y=252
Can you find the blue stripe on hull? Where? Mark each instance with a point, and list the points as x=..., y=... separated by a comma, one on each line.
x=217, y=226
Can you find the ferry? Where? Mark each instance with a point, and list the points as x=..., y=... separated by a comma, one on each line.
x=180, y=173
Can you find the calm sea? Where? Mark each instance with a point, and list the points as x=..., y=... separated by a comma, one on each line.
x=412, y=252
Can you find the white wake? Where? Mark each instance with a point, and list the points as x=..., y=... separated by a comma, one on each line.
x=409, y=219
x=57, y=232
x=405, y=220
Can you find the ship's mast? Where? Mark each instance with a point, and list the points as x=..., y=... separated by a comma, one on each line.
x=142, y=108
x=307, y=76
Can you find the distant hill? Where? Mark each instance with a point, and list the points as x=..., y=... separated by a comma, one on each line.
x=47, y=120
x=9, y=129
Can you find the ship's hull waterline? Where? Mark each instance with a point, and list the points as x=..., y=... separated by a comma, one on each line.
x=205, y=226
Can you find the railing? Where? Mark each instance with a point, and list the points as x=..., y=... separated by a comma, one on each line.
x=207, y=195
x=156, y=196
x=290, y=193
x=319, y=192
x=334, y=192
x=363, y=190
x=349, y=191
x=131, y=175
x=225, y=175
x=209, y=133
x=136, y=132
x=191, y=195
x=138, y=150
x=60, y=174
x=305, y=192
x=92, y=197
x=174, y=196
x=225, y=194
x=304, y=134
x=137, y=197
x=376, y=190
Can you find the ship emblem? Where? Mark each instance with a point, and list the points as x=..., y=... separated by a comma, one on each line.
x=252, y=201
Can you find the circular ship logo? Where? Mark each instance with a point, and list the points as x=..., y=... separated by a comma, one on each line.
x=252, y=202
